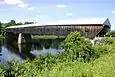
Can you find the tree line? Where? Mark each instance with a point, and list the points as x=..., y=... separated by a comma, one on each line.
x=12, y=23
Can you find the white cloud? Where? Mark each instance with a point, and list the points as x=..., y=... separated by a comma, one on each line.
x=13, y=2
x=113, y=11
x=61, y=6
x=19, y=3
x=31, y=8
x=23, y=5
x=69, y=14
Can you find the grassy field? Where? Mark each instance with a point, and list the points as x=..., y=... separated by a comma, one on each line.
x=45, y=37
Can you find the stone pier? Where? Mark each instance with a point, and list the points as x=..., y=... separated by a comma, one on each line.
x=17, y=38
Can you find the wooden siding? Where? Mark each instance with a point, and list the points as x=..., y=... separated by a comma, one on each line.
x=89, y=31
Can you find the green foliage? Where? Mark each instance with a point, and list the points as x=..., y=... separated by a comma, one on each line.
x=10, y=23
x=66, y=63
x=112, y=33
x=19, y=23
x=45, y=60
x=76, y=47
x=28, y=22
x=13, y=22
x=105, y=48
x=109, y=40
x=44, y=37
x=0, y=27
x=1, y=31
x=100, y=50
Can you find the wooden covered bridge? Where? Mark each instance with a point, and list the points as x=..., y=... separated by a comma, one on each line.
x=87, y=27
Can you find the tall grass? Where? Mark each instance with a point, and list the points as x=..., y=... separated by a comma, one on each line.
x=80, y=59
x=101, y=67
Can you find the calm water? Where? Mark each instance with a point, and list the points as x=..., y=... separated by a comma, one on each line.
x=21, y=52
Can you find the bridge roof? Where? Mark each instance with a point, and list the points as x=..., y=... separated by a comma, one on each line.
x=70, y=22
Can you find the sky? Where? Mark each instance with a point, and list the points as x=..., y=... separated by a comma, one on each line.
x=43, y=11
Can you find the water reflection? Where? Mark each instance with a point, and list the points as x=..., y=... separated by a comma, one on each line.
x=46, y=46
x=21, y=52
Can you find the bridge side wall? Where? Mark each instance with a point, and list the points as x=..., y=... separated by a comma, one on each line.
x=89, y=31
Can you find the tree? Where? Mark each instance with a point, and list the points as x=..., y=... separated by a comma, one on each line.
x=7, y=24
x=0, y=27
x=19, y=23
x=29, y=23
x=12, y=22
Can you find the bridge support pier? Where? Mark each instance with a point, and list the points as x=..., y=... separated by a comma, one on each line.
x=17, y=38
x=20, y=38
x=24, y=38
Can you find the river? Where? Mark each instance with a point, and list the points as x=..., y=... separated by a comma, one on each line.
x=24, y=51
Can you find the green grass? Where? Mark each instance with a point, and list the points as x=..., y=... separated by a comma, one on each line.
x=102, y=67
x=45, y=37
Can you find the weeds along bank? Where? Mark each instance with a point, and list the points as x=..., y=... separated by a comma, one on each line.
x=1, y=37
x=79, y=59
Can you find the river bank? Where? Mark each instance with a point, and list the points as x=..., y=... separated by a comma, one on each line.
x=46, y=37
x=1, y=37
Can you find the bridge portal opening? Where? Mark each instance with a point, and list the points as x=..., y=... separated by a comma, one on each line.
x=104, y=31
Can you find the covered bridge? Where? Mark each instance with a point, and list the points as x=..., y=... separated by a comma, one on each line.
x=87, y=27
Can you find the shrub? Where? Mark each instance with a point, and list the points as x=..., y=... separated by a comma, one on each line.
x=112, y=33
x=76, y=47
x=109, y=40
x=45, y=61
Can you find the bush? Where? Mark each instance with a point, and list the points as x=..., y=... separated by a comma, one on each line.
x=112, y=33
x=76, y=47
x=109, y=40
x=45, y=61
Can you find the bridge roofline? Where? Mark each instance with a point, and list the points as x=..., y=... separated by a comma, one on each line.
x=91, y=21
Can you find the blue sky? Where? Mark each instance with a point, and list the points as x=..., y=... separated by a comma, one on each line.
x=43, y=11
